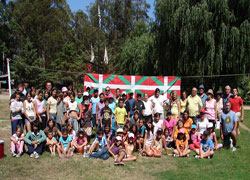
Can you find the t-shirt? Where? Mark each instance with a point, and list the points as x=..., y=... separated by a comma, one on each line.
x=157, y=125
x=53, y=103
x=132, y=122
x=194, y=138
x=131, y=102
x=202, y=125
x=139, y=106
x=79, y=101
x=80, y=141
x=94, y=101
x=65, y=141
x=148, y=106
x=210, y=109
x=187, y=124
x=102, y=142
x=106, y=114
x=206, y=144
x=87, y=118
x=158, y=103
x=127, y=106
x=225, y=98
x=115, y=149
x=142, y=130
x=227, y=120
x=170, y=125
x=120, y=114
x=177, y=131
x=182, y=144
x=236, y=103
x=194, y=104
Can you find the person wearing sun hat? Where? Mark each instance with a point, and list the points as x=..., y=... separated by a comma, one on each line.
x=211, y=107
x=202, y=93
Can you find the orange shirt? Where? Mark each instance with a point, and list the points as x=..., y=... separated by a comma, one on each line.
x=177, y=131
x=187, y=125
x=182, y=144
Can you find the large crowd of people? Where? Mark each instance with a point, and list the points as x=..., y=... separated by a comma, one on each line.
x=103, y=125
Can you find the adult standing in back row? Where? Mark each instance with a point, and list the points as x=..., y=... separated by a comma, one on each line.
x=211, y=107
x=194, y=104
x=139, y=105
x=131, y=101
x=202, y=94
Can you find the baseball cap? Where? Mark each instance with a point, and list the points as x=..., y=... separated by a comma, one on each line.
x=202, y=110
x=193, y=126
x=119, y=130
x=210, y=91
x=64, y=89
x=95, y=89
x=124, y=93
x=130, y=92
x=118, y=138
x=210, y=125
x=201, y=86
x=206, y=133
x=182, y=131
x=131, y=135
x=136, y=111
x=85, y=94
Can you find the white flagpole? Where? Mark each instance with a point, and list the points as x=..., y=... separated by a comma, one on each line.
x=106, y=60
x=8, y=69
x=92, y=54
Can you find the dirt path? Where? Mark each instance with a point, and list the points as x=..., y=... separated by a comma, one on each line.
x=243, y=126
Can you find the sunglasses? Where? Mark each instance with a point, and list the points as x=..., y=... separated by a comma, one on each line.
x=107, y=90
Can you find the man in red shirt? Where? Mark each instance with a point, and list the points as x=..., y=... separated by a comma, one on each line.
x=237, y=107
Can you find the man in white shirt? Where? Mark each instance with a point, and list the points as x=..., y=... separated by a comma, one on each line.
x=148, y=112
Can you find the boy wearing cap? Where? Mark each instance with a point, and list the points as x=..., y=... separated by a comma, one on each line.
x=139, y=105
x=206, y=147
x=120, y=115
x=106, y=115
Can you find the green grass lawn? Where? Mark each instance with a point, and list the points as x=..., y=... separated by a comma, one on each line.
x=224, y=165
x=247, y=118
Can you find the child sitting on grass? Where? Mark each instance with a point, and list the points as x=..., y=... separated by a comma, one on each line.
x=80, y=142
x=149, y=137
x=168, y=138
x=16, y=144
x=213, y=137
x=51, y=143
x=117, y=150
x=158, y=143
x=141, y=135
x=107, y=133
x=130, y=148
x=206, y=147
x=64, y=149
x=181, y=145
x=194, y=138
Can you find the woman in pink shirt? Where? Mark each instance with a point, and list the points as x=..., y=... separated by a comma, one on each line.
x=211, y=107
x=169, y=123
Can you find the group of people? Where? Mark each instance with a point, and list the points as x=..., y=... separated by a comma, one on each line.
x=62, y=122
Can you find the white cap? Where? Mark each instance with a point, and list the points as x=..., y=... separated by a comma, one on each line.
x=85, y=94
x=124, y=92
x=119, y=130
x=64, y=89
x=131, y=135
x=118, y=138
x=210, y=125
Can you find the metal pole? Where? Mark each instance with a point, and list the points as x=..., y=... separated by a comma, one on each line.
x=99, y=60
x=8, y=69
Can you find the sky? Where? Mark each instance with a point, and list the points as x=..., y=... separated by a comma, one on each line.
x=82, y=4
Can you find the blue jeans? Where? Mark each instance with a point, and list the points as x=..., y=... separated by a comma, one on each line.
x=53, y=117
x=103, y=154
x=38, y=149
x=75, y=123
x=14, y=124
x=113, y=127
x=93, y=120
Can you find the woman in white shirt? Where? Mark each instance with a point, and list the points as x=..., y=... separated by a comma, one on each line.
x=148, y=112
x=202, y=122
x=73, y=115
x=29, y=111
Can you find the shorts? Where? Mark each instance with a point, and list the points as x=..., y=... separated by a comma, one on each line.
x=27, y=121
x=238, y=114
x=227, y=139
x=88, y=131
x=64, y=149
x=123, y=150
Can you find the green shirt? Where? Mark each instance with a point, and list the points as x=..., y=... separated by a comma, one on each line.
x=31, y=136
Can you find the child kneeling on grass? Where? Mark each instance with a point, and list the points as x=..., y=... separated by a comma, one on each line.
x=16, y=144
x=80, y=142
x=51, y=143
x=35, y=140
x=181, y=145
x=99, y=145
x=64, y=149
x=206, y=147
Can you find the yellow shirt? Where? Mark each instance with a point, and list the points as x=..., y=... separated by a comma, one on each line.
x=183, y=106
x=194, y=103
x=120, y=114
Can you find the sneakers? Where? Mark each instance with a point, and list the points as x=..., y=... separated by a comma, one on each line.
x=197, y=157
x=117, y=163
x=13, y=154
x=208, y=157
x=175, y=155
x=187, y=155
x=36, y=155
x=121, y=163
x=18, y=155
x=86, y=155
x=234, y=149
x=32, y=155
x=61, y=156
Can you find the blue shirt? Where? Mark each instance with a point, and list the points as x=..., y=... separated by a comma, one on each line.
x=79, y=101
x=131, y=102
x=94, y=101
x=228, y=120
x=225, y=99
x=65, y=142
x=112, y=107
x=206, y=144
x=203, y=98
x=102, y=142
